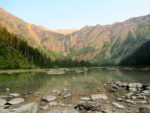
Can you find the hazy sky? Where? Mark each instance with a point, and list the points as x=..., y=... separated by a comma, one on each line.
x=65, y=14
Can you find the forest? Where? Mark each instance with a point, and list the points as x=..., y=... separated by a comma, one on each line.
x=14, y=50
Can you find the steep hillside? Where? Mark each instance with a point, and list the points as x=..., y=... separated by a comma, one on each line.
x=107, y=44
x=141, y=57
x=15, y=53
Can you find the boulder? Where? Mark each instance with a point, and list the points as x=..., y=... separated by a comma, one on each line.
x=56, y=92
x=14, y=94
x=144, y=109
x=49, y=98
x=4, y=110
x=99, y=97
x=16, y=101
x=28, y=108
x=88, y=105
x=146, y=92
x=2, y=102
x=119, y=83
x=117, y=105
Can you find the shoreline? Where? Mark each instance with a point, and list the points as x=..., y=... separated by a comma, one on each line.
x=75, y=69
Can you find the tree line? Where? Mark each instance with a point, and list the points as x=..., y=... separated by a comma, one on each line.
x=35, y=56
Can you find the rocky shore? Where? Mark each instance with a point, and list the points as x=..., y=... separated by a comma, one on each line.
x=119, y=97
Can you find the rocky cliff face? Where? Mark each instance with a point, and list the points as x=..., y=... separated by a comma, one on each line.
x=103, y=44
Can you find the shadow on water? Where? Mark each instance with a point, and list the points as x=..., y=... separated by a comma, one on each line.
x=32, y=82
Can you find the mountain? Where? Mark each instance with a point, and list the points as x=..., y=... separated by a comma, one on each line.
x=106, y=45
x=140, y=57
x=15, y=53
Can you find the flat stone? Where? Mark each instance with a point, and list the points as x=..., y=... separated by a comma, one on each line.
x=49, y=98
x=148, y=87
x=146, y=92
x=61, y=104
x=133, y=89
x=119, y=99
x=28, y=108
x=117, y=105
x=144, y=109
x=67, y=95
x=118, y=83
x=70, y=111
x=64, y=111
x=130, y=101
x=16, y=101
x=85, y=98
x=54, y=103
x=141, y=102
x=56, y=91
x=99, y=96
x=2, y=102
x=14, y=94
x=129, y=95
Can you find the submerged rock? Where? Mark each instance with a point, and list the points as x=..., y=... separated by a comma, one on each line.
x=99, y=96
x=48, y=98
x=16, y=101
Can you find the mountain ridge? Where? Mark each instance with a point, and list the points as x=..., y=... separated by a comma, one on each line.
x=100, y=43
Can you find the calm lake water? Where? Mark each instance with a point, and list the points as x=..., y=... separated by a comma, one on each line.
x=42, y=82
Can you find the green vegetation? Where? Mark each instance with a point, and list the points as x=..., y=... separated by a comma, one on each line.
x=82, y=51
x=141, y=57
x=17, y=54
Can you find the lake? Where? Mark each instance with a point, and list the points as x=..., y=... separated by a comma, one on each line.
x=42, y=82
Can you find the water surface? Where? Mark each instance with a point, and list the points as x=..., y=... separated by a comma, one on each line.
x=42, y=82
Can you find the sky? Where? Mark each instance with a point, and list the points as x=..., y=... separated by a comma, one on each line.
x=68, y=14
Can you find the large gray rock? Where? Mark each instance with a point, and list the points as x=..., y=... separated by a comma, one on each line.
x=144, y=109
x=88, y=105
x=2, y=102
x=49, y=98
x=4, y=110
x=16, y=101
x=99, y=97
x=28, y=108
